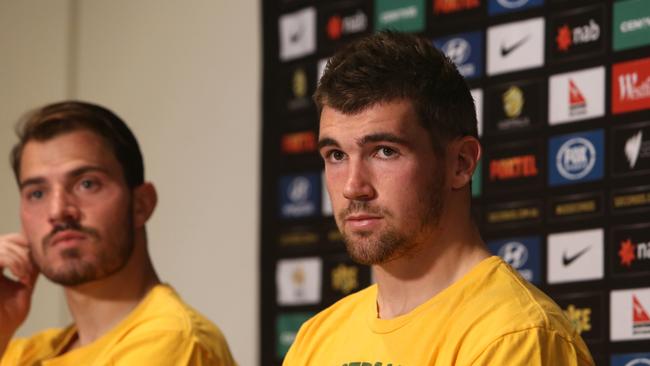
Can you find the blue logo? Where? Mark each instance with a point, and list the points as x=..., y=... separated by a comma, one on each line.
x=575, y=158
x=631, y=359
x=506, y=6
x=299, y=195
x=465, y=50
x=522, y=254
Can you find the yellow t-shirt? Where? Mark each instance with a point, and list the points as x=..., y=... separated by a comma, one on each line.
x=491, y=316
x=161, y=330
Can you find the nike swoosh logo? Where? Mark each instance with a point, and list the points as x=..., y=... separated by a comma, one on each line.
x=568, y=260
x=505, y=51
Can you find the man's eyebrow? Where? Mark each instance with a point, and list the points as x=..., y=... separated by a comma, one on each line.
x=382, y=137
x=327, y=141
x=71, y=174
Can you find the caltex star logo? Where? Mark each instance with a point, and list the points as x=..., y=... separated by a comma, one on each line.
x=563, y=38
x=627, y=253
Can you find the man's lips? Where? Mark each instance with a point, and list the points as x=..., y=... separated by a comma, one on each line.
x=66, y=236
x=362, y=220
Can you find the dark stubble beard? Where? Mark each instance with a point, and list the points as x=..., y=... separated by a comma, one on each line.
x=391, y=242
x=76, y=270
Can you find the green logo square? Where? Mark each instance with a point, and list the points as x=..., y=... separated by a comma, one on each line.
x=400, y=15
x=631, y=25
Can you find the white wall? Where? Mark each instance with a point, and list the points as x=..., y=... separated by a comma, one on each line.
x=185, y=76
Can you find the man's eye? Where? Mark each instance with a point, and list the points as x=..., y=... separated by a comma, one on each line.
x=88, y=184
x=386, y=152
x=336, y=155
x=35, y=195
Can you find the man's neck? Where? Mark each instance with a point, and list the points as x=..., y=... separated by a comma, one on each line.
x=98, y=306
x=410, y=280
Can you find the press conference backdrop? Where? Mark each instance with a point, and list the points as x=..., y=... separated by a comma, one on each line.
x=562, y=91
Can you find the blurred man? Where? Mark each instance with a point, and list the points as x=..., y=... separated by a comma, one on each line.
x=83, y=205
x=398, y=134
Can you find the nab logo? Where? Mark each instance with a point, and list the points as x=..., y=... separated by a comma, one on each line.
x=506, y=6
x=631, y=250
x=465, y=50
x=631, y=86
x=577, y=33
x=299, y=195
x=339, y=26
x=522, y=254
x=567, y=38
x=576, y=157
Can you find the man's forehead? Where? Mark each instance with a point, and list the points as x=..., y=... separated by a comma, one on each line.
x=65, y=152
x=397, y=118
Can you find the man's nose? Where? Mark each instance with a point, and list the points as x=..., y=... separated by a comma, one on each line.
x=63, y=207
x=358, y=184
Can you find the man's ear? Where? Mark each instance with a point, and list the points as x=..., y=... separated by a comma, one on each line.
x=145, y=199
x=465, y=152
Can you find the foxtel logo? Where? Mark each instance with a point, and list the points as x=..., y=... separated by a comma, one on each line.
x=299, y=142
x=513, y=168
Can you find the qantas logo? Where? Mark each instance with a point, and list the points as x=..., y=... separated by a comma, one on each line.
x=640, y=320
x=577, y=102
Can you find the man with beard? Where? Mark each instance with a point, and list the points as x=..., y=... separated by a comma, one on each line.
x=398, y=135
x=83, y=206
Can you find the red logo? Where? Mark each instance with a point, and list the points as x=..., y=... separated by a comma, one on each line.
x=451, y=6
x=563, y=38
x=577, y=102
x=631, y=86
x=627, y=253
x=335, y=27
x=513, y=168
x=640, y=318
x=299, y=143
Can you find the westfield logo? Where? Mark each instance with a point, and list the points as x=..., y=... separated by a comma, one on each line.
x=631, y=86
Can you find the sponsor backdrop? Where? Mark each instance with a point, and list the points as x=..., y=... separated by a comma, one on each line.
x=562, y=90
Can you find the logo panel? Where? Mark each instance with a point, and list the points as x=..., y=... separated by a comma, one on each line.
x=577, y=34
x=477, y=180
x=576, y=158
x=631, y=359
x=507, y=6
x=630, y=314
x=299, y=195
x=522, y=254
x=513, y=214
x=402, y=16
x=576, y=96
x=465, y=50
x=297, y=34
x=631, y=150
x=576, y=206
x=298, y=143
x=339, y=24
x=630, y=200
x=630, y=250
x=343, y=277
x=575, y=256
x=631, y=86
x=298, y=237
x=454, y=6
x=631, y=24
x=515, y=46
x=325, y=199
x=287, y=326
x=515, y=166
x=586, y=314
x=298, y=281
x=514, y=106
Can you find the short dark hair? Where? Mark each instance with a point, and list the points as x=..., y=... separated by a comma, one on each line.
x=55, y=119
x=387, y=66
